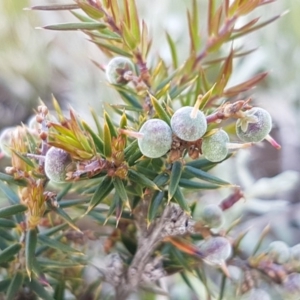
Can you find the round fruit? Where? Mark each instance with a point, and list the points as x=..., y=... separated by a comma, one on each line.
x=214, y=147
x=186, y=126
x=279, y=252
x=215, y=250
x=156, y=139
x=255, y=126
x=212, y=215
x=56, y=163
x=117, y=68
x=256, y=294
x=295, y=253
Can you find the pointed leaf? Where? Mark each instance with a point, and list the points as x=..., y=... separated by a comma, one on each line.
x=131, y=100
x=9, y=252
x=14, y=286
x=189, y=184
x=44, y=240
x=4, y=284
x=176, y=172
x=161, y=179
x=12, y=210
x=11, y=179
x=120, y=188
x=9, y=193
x=180, y=199
x=156, y=202
x=198, y=173
x=75, y=26
x=187, y=281
x=141, y=179
x=6, y=223
x=37, y=288
x=111, y=48
x=55, y=7
x=160, y=111
x=111, y=126
x=96, y=138
x=173, y=50
x=66, y=217
x=102, y=191
x=30, y=245
x=107, y=141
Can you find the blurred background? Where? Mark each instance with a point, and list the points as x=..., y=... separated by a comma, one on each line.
x=35, y=63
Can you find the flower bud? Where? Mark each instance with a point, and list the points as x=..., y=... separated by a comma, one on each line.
x=56, y=163
x=188, y=124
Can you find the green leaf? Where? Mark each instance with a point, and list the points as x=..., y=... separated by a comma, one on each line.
x=187, y=281
x=120, y=189
x=59, y=290
x=107, y=141
x=75, y=26
x=161, y=112
x=5, y=234
x=173, y=50
x=112, y=48
x=55, y=7
x=24, y=158
x=189, y=184
x=11, y=179
x=161, y=179
x=198, y=173
x=30, y=245
x=12, y=210
x=74, y=202
x=134, y=157
x=4, y=284
x=37, y=288
x=9, y=193
x=9, y=252
x=90, y=10
x=64, y=191
x=130, y=149
x=141, y=179
x=131, y=100
x=66, y=217
x=14, y=286
x=156, y=202
x=176, y=172
x=7, y=223
x=104, y=188
x=111, y=126
x=44, y=240
x=49, y=263
x=180, y=199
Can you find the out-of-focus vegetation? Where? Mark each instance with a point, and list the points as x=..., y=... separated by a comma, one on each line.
x=38, y=63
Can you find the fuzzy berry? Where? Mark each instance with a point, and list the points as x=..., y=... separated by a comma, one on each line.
x=56, y=163
x=187, y=126
x=117, y=68
x=279, y=252
x=215, y=250
x=156, y=138
x=254, y=126
x=214, y=147
x=212, y=215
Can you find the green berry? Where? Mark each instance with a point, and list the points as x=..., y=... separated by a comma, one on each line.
x=279, y=252
x=212, y=215
x=256, y=294
x=117, y=68
x=214, y=147
x=255, y=126
x=295, y=253
x=156, y=138
x=187, y=127
x=215, y=250
x=56, y=163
